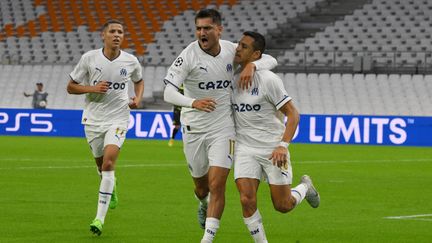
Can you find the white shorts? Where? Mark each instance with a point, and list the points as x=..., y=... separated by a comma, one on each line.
x=203, y=150
x=100, y=136
x=254, y=163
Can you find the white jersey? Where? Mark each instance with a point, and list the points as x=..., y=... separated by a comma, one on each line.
x=259, y=123
x=111, y=107
x=205, y=76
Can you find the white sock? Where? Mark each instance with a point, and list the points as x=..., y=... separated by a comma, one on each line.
x=256, y=227
x=105, y=191
x=299, y=192
x=211, y=227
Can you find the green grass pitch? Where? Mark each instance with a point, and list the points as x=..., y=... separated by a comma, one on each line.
x=48, y=193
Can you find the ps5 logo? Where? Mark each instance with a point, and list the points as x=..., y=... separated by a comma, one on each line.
x=38, y=121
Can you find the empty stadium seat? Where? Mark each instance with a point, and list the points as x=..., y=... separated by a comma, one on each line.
x=382, y=26
x=257, y=16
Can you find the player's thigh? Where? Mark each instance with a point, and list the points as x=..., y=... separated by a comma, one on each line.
x=246, y=165
x=95, y=138
x=196, y=154
x=221, y=149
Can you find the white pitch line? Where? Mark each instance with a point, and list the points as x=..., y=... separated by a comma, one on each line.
x=298, y=161
x=92, y=166
x=409, y=216
x=69, y=160
x=421, y=217
x=361, y=161
x=177, y=163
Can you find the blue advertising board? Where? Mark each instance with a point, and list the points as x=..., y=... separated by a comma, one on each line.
x=373, y=130
x=330, y=129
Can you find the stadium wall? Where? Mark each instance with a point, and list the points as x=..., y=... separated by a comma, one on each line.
x=328, y=129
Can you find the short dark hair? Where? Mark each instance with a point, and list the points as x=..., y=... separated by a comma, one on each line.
x=209, y=13
x=259, y=43
x=112, y=21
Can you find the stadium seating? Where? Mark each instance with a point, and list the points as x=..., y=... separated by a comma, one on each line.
x=394, y=33
x=61, y=31
x=44, y=39
x=16, y=79
x=245, y=15
x=359, y=94
x=33, y=32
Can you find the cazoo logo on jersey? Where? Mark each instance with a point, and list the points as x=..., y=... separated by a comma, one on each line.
x=112, y=85
x=219, y=84
x=242, y=107
x=25, y=122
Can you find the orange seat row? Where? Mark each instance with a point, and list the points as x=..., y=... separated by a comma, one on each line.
x=142, y=18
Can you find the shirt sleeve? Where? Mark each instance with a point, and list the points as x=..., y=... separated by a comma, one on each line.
x=266, y=62
x=179, y=70
x=173, y=96
x=276, y=92
x=137, y=72
x=80, y=72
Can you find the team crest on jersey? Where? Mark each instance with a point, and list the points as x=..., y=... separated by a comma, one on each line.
x=123, y=72
x=229, y=67
x=255, y=91
x=178, y=62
